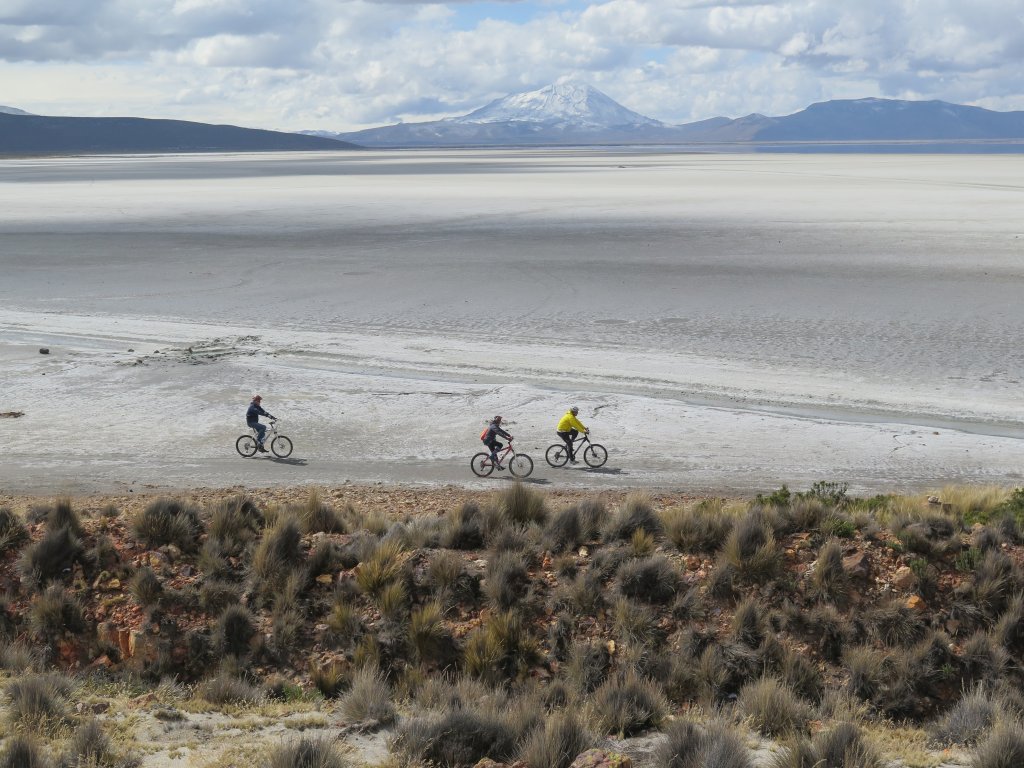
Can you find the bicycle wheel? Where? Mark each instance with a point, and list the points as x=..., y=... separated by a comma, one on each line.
x=281, y=446
x=481, y=465
x=595, y=455
x=246, y=445
x=520, y=465
x=557, y=455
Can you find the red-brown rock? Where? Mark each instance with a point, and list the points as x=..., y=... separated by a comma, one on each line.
x=857, y=565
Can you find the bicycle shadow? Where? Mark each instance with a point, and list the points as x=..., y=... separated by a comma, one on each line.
x=289, y=461
x=525, y=480
x=603, y=470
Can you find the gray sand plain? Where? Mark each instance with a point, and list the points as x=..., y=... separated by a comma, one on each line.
x=726, y=323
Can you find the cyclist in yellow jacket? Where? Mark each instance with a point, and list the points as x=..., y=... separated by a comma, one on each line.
x=568, y=427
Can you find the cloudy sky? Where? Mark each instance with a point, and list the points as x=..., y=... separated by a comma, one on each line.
x=346, y=64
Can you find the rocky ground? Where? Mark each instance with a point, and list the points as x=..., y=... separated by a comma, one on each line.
x=135, y=660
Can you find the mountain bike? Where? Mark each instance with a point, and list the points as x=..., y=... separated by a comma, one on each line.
x=595, y=455
x=519, y=464
x=280, y=445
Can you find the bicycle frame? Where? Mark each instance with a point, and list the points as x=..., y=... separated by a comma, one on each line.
x=504, y=452
x=271, y=431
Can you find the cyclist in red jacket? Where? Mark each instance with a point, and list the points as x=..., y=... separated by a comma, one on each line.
x=490, y=439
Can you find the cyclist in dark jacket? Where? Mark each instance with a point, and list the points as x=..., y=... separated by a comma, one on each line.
x=252, y=418
x=490, y=439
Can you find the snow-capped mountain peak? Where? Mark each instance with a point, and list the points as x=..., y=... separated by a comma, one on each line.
x=567, y=104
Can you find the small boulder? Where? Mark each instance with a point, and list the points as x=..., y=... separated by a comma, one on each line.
x=857, y=565
x=904, y=579
x=916, y=604
x=44, y=350
x=599, y=758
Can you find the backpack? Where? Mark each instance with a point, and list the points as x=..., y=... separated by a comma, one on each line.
x=483, y=435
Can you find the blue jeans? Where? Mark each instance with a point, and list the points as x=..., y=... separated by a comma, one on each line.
x=261, y=431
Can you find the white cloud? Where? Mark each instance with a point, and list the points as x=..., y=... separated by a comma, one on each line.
x=341, y=64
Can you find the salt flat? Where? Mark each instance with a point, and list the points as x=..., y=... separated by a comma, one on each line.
x=725, y=322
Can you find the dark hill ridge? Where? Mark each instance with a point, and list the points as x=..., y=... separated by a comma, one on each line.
x=38, y=135
x=889, y=120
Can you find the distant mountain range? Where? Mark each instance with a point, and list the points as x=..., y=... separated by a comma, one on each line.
x=556, y=115
x=25, y=134
x=569, y=114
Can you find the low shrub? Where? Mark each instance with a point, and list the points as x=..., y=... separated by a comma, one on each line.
x=429, y=638
x=583, y=595
x=628, y=706
x=54, y=614
x=994, y=581
x=838, y=525
x=36, y=702
x=500, y=650
x=23, y=752
x=564, y=531
x=587, y=666
x=724, y=669
x=62, y=515
x=651, y=580
x=393, y=601
x=463, y=529
x=331, y=679
x=457, y=739
x=840, y=747
x=384, y=566
x=983, y=658
x=967, y=721
x=802, y=675
x=895, y=625
x=521, y=505
x=829, y=581
x=225, y=688
x=50, y=557
x=235, y=631
x=689, y=745
x=17, y=657
x=866, y=667
x=90, y=748
x=344, y=625
x=772, y=708
x=306, y=752
x=216, y=595
x=557, y=743
x=749, y=625
x=1004, y=748
x=507, y=580
x=12, y=530
x=830, y=631
x=277, y=555
x=750, y=550
x=235, y=523
x=320, y=517
x=145, y=587
x=636, y=514
x=369, y=699
x=635, y=623
x=168, y=521
x=700, y=528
